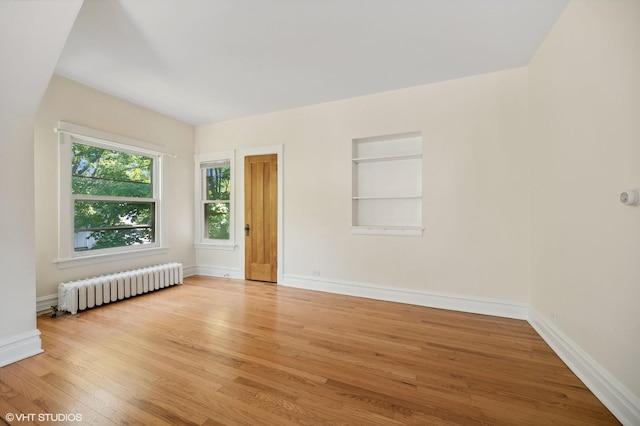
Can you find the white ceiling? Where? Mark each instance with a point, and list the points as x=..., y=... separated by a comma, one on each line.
x=203, y=61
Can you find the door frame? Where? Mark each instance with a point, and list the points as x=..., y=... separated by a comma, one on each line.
x=247, y=152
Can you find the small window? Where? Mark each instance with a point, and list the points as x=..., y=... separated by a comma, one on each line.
x=215, y=207
x=216, y=199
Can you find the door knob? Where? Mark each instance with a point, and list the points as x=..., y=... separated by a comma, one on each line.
x=247, y=228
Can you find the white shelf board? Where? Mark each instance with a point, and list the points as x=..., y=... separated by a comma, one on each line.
x=387, y=197
x=388, y=158
x=415, y=231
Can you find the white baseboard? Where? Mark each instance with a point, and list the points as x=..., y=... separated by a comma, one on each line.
x=454, y=302
x=44, y=303
x=220, y=272
x=613, y=394
x=19, y=347
x=188, y=271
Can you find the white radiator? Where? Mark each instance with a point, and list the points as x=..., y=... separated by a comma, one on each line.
x=76, y=296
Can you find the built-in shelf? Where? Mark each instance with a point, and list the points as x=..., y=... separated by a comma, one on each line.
x=387, y=185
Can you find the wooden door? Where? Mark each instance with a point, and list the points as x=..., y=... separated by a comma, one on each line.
x=261, y=217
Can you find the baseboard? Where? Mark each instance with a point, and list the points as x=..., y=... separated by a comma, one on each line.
x=613, y=394
x=454, y=302
x=220, y=272
x=44, y=304
x=19, y=347
x=188, y=271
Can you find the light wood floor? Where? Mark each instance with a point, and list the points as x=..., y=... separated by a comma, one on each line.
x=216, y=352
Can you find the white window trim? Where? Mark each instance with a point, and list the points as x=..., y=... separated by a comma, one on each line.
x=68, y=133
x=200, y=241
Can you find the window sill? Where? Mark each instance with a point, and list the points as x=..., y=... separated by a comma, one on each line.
x=216, y=246
x=108, y=257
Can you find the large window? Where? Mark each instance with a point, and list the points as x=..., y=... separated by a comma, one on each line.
x=109, y=194
x=113, y=198
x=214, y=198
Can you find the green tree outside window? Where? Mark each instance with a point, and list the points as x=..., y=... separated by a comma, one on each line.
x=217, y=205
x=113, y=198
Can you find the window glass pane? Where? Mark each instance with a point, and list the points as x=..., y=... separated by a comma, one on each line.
x=105, y=224
x=216, y=219
x=217, y=183
x=99, y=171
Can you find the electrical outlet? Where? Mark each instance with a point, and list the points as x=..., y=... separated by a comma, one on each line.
x=553, y=316
x=315, y=273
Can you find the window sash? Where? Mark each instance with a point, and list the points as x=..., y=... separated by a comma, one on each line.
x=99, y=235
x=133, y=235
x=91, y=176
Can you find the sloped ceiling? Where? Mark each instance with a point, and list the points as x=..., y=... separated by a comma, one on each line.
x=204, y=61
x=32, y=35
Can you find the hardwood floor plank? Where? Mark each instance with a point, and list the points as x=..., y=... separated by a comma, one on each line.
x=225, y=352
x=157, y=410
x=49, y=399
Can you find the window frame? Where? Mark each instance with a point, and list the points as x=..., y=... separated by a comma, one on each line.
x=200, y=241
x=70, y=134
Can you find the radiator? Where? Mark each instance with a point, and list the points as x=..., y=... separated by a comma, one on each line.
x=87, y=293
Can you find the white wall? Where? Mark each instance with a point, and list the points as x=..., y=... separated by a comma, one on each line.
x=72, y=102
x=585, y=150
x=475, y=204
x=18, y=334
x=33, y=34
